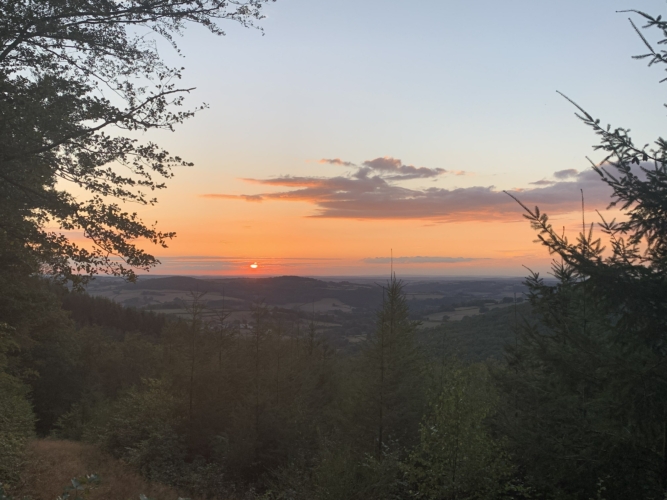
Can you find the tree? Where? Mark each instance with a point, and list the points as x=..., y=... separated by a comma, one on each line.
x=79, y=79
x=456, y=456
x=392, y=391
x=17, y=420
x=196, y=325
x=587, y=384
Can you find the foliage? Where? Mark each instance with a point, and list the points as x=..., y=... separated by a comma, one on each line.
x=392, y=392
x=339, y=471
x=140, y=426
x=213, y=405
x=17, y=424
x=79, y=81
x=86, y=310
x=476, y=338
x=17, y=421
x=374, y=419
x=457, y=457
x=264, y=405
x=586, y=390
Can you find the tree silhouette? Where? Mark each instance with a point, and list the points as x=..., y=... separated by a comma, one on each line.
x=79, y=80
x=589, y=381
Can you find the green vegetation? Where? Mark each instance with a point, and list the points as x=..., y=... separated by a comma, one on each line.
x=16, y=417
x=477, y=338
x=457, y=457
x=576, y=408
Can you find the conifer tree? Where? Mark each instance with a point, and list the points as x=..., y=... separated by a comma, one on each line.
x=393, y=395
x=587, y=385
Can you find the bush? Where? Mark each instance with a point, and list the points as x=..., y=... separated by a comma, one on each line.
x=17, y=424
x=457, y=457
x=17, y=421
x=339, y=472
x=145, y=427
x=140, y=428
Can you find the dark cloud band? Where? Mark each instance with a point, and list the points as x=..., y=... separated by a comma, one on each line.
x=364, y=195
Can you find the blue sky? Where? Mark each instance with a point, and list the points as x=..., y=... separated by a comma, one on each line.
x=457, y=85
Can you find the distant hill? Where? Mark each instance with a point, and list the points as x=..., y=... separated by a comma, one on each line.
x=280, y=290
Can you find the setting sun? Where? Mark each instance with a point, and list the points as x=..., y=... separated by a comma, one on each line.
x=254, y=265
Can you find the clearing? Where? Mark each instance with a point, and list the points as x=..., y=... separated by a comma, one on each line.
x=51, y=464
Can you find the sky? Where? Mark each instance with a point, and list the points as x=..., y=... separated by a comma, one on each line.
x=354, y=130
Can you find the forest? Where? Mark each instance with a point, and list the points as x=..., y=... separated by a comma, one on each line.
x=560, y=396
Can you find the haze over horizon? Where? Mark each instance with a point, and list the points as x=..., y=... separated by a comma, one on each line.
x=351, y=129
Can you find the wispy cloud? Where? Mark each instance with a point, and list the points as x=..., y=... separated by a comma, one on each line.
x=542, y=182
x=337, y=161
x=374, y=191
x=418, y=260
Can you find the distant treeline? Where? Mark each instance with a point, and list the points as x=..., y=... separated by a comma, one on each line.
x=279, y=290
x=87, y=310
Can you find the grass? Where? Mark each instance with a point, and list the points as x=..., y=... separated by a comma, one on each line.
x=51, y=464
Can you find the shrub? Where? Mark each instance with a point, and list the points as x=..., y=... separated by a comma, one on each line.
x=17, y=421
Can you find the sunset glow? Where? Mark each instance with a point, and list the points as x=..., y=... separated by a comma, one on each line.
x=460, y=244
x=323, y=174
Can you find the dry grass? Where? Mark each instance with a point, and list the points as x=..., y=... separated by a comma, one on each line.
x=51, y=464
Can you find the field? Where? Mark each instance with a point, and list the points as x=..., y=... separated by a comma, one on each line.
x=341, y=310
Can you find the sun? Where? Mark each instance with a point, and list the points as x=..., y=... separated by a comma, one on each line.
x=254, y=265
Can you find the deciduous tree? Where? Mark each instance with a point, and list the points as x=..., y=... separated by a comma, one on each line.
x=79, y=81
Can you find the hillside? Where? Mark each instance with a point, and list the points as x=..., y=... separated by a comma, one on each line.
x=343, y=311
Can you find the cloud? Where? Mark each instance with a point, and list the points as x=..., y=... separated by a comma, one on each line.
x=565, y=174
x=198, y=264
x=394, y=169
x=418, y=260
x=337, y=161
x=391, y=169
x=365, y=195
x=542, y=182
x=560, y=175
x=247, y=197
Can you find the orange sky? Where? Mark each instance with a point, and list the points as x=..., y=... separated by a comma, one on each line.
x=334, y=139
x=226, y=236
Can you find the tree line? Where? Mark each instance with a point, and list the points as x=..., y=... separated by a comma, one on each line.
x=576, y=409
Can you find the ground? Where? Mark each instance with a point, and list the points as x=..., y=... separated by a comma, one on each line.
x=51, y=464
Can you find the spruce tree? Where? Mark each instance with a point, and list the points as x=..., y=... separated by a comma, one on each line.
x=587, y=384
x=393, y=393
